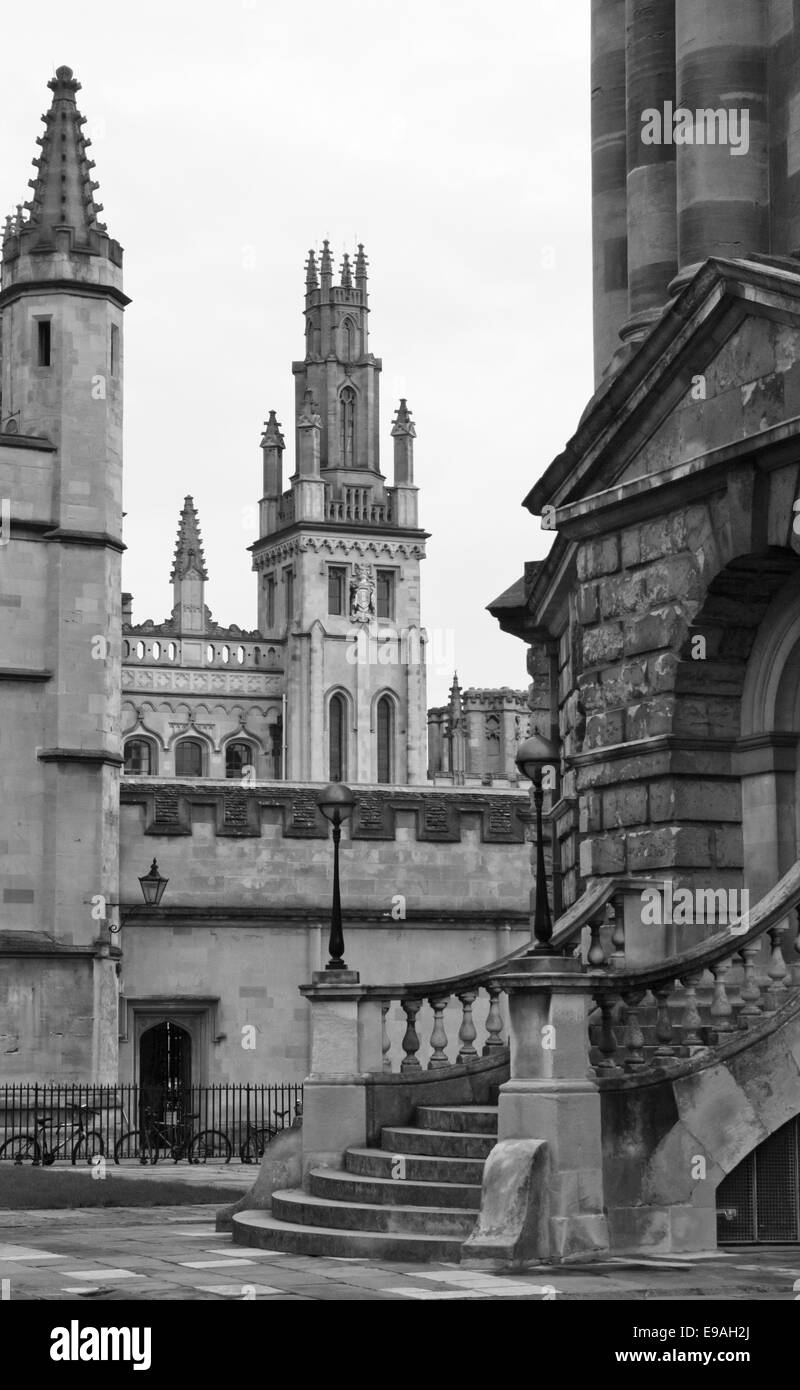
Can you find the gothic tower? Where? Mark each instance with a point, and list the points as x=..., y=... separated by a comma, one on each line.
x=338, y=554
x=61, y=488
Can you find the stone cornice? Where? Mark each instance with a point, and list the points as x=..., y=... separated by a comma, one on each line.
x=79, y=755
x=21, y=673
x=81, y=288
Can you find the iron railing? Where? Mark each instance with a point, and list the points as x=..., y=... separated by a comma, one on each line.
x=238, y=1111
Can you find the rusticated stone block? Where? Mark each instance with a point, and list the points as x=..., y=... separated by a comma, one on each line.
x=604, y=854
x=651, y=719
x=663, y=671
x=674, y=576
x=604, y=730
x=591, y=694
x=590, y=810
x=631, y=547
x=688, y=847
x=688, y=800
x=625, y=806
x=598, y=557
x=717, y=717
x=728, y=851
x=626, y=593
x=666, y=627
x=588, y=604
x=602, y=645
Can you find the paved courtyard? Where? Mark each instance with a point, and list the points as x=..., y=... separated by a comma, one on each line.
x=175, y=1253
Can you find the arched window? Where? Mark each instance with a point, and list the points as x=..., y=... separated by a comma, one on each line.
x=337, y=738
x=385, y=731
x=276, y=750
x=347, y=427
x=189, y=758
x=237, y=757
x=349, y=340
x=139, y=757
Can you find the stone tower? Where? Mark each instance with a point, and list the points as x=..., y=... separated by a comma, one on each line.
x=338, y=554
x=61, y=484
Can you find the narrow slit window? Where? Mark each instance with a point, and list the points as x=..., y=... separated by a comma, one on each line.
x=44, y=342
x=114, y=350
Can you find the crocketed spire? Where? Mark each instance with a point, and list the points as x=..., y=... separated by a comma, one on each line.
x=63, y=189
x=347, y=277
x=402, y=423
x=189, y=546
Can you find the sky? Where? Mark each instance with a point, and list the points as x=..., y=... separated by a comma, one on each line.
x=451, y=137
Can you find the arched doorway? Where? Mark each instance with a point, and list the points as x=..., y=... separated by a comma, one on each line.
x=165, y=1067
x=759, y=1201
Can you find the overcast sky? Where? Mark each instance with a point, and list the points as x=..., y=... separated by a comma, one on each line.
x=452, y=138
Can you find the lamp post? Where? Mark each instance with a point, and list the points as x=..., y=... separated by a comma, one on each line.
x=336, y=802
x=533, y=756
x=153, y=886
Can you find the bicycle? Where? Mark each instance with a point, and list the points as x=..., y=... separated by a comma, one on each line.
x=256, y=1140
x=34, y=1148
x=146, y=1142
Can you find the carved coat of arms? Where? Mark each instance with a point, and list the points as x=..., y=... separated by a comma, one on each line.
x=362, y=595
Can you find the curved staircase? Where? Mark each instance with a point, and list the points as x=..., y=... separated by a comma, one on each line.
x=414, y=1198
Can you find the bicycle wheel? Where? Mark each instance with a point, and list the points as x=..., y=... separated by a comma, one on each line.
x=88, y=1147
x=210, y=1144
x=22, y=1148
x=132, y=1145
x=252, y=1150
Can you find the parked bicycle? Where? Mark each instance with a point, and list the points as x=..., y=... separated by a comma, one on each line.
x=256, y=1140
x=155, y=1138
x=36, y=1149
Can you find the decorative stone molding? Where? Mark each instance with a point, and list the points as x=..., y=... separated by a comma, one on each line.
x=438, y=816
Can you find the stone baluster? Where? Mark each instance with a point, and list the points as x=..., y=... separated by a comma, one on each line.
x=596, y=955
x=411, y=1062
x=606, y=1037
x=386, y=1042
x=691, y=1022
x=721, y=1008
x=634, y=1037
x=438, y=1035
x=778, y=970
x=665, y=1050
x=467, y=1033
x=617, y=907
x=494, y=1022
x=750, y=988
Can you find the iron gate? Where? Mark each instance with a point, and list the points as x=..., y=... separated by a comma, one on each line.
x=759, y=1201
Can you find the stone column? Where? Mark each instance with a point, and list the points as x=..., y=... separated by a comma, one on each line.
x=723, y=197
x=345, y=1049
x=549, y=1099
x=609, y=221
x=652, y=213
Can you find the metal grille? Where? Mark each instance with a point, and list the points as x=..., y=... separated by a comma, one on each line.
x=759, y=1202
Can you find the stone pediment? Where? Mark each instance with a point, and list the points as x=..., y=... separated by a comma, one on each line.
x=721, y=368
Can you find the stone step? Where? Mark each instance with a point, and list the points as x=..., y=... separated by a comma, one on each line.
x=265, y=1232
x=350, y=1187
x=437, y=1143
x=305, y=1209
x=377, y=1163
x=462, y=1119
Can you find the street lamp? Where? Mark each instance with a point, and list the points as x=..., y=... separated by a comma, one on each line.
x=336, y=802
x=533, y=756
x=153, y=886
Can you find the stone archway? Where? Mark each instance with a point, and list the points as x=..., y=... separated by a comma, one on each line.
x=767, y=753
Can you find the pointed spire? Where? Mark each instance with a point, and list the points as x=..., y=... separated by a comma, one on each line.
x=361, y=268
x=347, y=278
x=272, y=433
x=63, y=191
x=402, y=423
x=189, y=545
x=326, y=266
x=312, y=282
x=455, y=697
